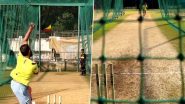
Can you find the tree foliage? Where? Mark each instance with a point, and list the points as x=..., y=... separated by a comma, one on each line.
x=61, y=18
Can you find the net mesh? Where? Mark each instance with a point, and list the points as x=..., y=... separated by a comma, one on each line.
x=172, y=11
x=14, y=19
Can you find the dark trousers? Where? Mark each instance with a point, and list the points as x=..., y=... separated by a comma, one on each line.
x=83, y=70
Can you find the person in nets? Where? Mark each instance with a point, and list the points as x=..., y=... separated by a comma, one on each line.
x=144, y=8
x=83, y=62
x=24, y=71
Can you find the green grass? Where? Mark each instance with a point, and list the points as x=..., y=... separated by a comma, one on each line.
x=108, y=26
x=168, y=30
x=176, y=24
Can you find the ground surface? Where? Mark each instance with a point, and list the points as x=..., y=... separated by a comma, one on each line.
x=71, y=86
x=162, y=77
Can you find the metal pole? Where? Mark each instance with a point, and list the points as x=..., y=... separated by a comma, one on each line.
x=1, y=46
x=39, y=38
x=43, y=4
x=92, y=37
x=78, y=38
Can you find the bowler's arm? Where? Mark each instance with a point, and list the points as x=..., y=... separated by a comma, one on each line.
x=28, y=33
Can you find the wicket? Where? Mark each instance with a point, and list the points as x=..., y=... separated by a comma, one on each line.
x=54, y=100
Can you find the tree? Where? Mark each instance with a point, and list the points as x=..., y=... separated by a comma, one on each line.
x=61, y=18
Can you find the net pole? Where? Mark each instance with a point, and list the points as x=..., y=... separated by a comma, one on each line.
x=1, y=29
x=78, y=38
x=88, y=37
x=140, y=57
x=43, y=4
x=82, y=27
x=92, y=36
x=39, y=37
x=103, y=58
